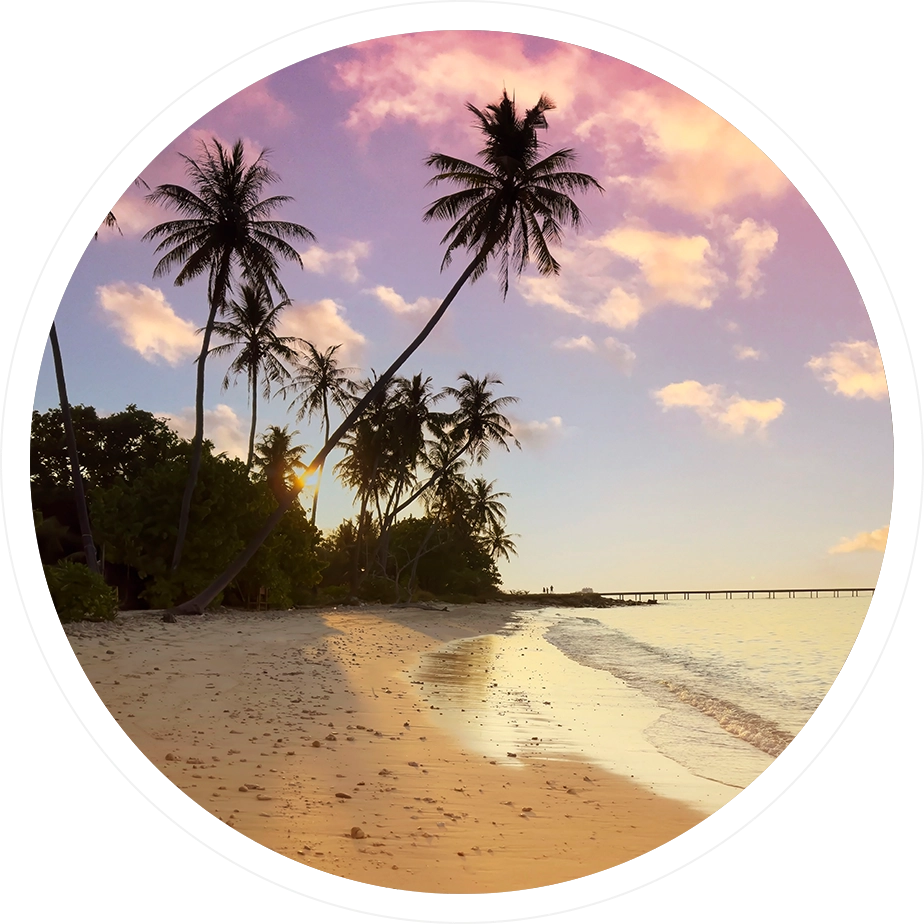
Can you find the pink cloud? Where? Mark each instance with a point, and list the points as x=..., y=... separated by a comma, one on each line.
x=853, y=369
x=427, y=78
x=147, y=324
x=729, y=413
x=324, y=324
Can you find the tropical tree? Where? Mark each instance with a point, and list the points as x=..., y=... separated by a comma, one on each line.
x=277, y=459
x=80, y=500
x=486, y=510
x=225, y=225
x=110, y=221
x=319, y=382
x=510, y=207
x=367, y=465
x=252, y=327
x=499, y=542
x=476, y=424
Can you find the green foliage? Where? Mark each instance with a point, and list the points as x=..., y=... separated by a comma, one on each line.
x=137, y=521
x=78, y=593
x=377, y=589
x=113, y=450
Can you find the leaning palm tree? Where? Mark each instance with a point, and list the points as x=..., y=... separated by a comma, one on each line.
x=510, y=208
x=252, y=327
x=225, y=224
x=320, y=381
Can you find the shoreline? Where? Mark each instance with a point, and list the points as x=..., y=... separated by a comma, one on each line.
x=295, y=728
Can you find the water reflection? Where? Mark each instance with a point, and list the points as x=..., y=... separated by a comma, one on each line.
x=515, y=696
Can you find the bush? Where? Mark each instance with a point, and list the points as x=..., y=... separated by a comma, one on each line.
x=78, y=593
x=377, y=589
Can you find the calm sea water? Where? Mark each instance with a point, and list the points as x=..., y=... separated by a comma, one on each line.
x=692, y=698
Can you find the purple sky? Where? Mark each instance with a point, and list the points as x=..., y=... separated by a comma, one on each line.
x=702, y=401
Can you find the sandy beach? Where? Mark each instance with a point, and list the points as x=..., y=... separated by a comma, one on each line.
x=310, y=732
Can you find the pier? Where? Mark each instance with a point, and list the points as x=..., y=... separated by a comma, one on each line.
x=741, y=594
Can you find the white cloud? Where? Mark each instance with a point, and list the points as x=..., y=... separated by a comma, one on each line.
x=619, y=309
x=754, y=243
x=853, y=369
x=146, y=322
x=323, y=323
x=746, y=352
x=343, y=262
x=619, y=353
x=627, y=272
x=396, y=303
x=676, y=268
x=614, y=350
x=576, y=343
x=704, y=163
x=874, y=541
x=731, y=413
x=222, y=427
x=536, y=433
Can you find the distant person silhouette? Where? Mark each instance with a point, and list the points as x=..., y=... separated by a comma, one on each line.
x=551, y=589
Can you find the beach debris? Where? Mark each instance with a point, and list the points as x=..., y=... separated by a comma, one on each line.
x=413, y=763
x=511, y=754
x=357, y=833
x=171, y=756
x=315, y=744
x=331, y=737
x=263, y=798
x=342, y=795
x=242, y=789
x=527, y=809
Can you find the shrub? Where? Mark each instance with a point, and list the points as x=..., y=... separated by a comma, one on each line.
x=78, y=593
x=377, y=589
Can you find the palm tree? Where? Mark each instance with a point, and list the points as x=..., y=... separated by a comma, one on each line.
x=509, y=207
x=486, y=511
x=252, y=327
x=500, y=543
x=224, y=224
x=276, y=458
x=476, y=423
x=110, y=221
x=321, y=382
x=83, y=517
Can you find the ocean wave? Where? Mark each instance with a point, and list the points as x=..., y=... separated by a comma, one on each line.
x=762, y=733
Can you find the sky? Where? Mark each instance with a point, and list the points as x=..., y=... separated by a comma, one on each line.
x=702, y=403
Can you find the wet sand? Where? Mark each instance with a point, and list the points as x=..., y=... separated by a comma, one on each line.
x=298, y=728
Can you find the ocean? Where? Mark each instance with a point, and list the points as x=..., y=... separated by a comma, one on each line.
x=692, y=699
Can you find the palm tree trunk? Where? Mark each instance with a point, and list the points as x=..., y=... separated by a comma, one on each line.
x=83, y=517
x=354, y=564
x=198, y=603
x=217, y=299
x=253, y=425
x=317, y=484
